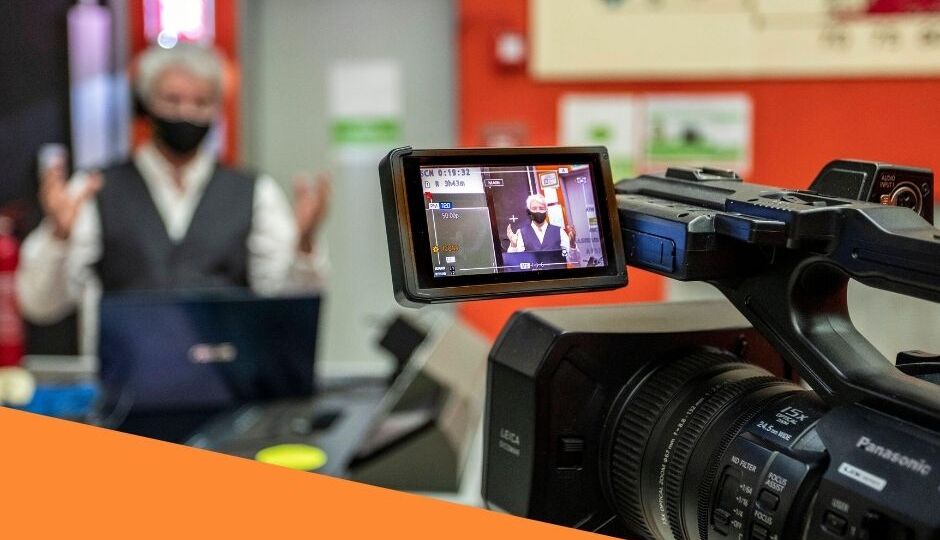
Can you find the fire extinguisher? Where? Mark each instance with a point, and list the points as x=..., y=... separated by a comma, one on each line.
x=11, y=323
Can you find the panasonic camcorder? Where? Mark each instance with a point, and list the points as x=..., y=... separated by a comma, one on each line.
x=685, y=421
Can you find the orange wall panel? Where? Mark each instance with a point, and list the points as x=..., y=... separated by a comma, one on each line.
x=489, y=316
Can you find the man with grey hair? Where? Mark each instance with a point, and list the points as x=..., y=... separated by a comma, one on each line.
x=172, y=217
x=551, y=242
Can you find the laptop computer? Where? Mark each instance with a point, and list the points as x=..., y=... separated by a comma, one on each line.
x=205, y=351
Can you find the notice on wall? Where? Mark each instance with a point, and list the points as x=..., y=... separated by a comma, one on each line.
x=696, y=39
x=650, y=132
x=606, y=120
x=365, y=107
x=698, y=130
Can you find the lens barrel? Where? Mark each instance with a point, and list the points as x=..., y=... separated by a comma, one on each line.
x=666, y=433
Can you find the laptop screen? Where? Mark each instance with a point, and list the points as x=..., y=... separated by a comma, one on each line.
x=164, y=352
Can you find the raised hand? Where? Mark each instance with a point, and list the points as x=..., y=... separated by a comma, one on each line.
x=58, y=204
x=512, y=236
x=569, y=230
x=311, y=202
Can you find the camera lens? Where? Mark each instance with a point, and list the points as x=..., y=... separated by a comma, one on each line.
x=666, y=433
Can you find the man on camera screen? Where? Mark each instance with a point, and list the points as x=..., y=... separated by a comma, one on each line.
x=547, y=240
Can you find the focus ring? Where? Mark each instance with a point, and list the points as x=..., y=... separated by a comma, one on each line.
x=701, y=419
x=708, y=481
x=637, y=414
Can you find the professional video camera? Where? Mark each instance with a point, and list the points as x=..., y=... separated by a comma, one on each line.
x=659, y=421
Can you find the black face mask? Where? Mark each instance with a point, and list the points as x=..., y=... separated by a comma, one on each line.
x=181, y=136
x=538, y=217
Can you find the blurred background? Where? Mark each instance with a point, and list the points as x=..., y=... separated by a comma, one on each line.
x=772, y=88
x=788, y=86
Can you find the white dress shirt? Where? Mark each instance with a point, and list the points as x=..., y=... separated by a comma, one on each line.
x=54, y=275
x=540, y=233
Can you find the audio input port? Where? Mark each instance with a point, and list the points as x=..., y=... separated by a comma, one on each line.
x=907, y=195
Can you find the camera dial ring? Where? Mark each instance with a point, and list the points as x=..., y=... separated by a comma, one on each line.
x=665, y=430
x=711, y=406
x=634, y=416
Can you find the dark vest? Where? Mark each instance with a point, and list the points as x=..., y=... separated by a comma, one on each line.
x=138, y=253
x=550, y=242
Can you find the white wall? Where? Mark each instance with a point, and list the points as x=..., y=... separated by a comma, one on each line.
x=288, y=48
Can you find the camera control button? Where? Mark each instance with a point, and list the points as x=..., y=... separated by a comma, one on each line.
x=701, y=174
x=721, y=519
x=768, y=500
x=570, y=452
x=916, y=357
x=759, y=532
x=835, y=523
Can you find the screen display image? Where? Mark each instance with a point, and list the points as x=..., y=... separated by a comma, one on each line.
x=514, y=218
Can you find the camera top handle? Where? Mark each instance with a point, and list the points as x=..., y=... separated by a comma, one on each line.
x=800, y=306
x=791, y=275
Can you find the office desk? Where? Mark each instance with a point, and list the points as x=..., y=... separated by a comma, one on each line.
x=336, y=421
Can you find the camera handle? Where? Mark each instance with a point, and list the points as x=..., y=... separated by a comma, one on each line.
x=800, y=305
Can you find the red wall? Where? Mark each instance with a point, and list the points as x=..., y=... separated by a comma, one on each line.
x=798, y=125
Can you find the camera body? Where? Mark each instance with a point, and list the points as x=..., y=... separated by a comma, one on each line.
x=724, y=446
x=547, y=416
x=682, y=421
